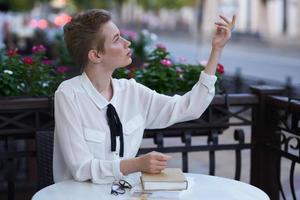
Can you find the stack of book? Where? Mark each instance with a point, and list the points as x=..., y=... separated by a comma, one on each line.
x=170, y=179
x=166, y=185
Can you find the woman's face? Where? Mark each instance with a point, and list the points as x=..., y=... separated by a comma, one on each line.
x=116, y=49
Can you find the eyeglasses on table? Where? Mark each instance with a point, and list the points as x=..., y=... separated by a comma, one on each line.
x=119, y=187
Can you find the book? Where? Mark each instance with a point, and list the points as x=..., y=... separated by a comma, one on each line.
x=169, y=179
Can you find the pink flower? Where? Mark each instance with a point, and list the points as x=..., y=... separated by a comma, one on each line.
x=179, y=70
x=27, y=60
x=220, y=69
x=161, y=47
x=12, y=52
x=47, y=62
x=203, y=62
x=130, y=34
x=145, y=65
x=166, y=62
x=62, y=69
x=182, y=60
x=38, y=48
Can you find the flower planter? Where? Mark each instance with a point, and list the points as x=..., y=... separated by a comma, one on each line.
x=20, y=117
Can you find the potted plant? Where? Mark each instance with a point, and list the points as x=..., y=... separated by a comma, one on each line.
x=27, y=84
x=161, y=73
x=29, y=76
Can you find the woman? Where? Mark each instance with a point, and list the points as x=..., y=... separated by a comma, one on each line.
x=99, y=121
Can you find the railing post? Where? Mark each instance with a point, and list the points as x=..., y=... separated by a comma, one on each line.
x=263, y=161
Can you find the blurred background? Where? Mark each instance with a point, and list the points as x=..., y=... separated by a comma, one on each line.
x=265, y=46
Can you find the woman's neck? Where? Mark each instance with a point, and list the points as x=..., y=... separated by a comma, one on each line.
x=101, y=80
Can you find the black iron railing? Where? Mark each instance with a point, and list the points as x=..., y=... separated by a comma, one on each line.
x=285, y=141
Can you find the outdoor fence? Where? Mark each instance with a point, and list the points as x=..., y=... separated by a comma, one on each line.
x=238, y=83
x=274, y=122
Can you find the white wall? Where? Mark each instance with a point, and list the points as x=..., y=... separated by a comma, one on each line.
x=242, y=15
x=255, y=15
x=275, y=17
x=293, y=24
x=267, y=20
x=298, y=20
x=241, y=9
x=209, y=15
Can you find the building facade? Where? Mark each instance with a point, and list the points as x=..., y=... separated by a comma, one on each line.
x=269, y=19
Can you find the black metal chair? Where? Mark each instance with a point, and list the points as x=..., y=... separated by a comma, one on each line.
x=44, y=148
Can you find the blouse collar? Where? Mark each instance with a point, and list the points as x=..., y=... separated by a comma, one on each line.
x=96, y=96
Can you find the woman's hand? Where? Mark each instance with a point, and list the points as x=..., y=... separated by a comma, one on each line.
x=223, y=32
x=153, y=162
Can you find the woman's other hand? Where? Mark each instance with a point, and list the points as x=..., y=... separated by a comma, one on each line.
x=153, y=162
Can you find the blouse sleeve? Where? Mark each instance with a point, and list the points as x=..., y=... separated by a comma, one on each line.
x=69, y=133
x=162, y=110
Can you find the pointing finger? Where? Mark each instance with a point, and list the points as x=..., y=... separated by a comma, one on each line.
x=233, y=21
x=224, y=18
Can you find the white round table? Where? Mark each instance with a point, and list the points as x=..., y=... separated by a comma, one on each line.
x=200, y=187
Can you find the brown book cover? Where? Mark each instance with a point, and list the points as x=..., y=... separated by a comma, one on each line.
x=168, y=179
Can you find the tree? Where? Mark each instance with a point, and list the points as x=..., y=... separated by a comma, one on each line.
x=84, y=4
x=170, y=4
x=264, y=1
x=17, y=5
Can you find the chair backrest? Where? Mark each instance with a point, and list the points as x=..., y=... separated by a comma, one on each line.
x=44, y=148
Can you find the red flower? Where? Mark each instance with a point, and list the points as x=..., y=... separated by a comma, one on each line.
x=12, y=52
x=220, y=69
x=27, y=60
x=130, y=75
x=62, y=69
x=132, y=68
x=38, y=48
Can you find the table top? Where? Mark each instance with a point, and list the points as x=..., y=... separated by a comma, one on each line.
x=199, y=187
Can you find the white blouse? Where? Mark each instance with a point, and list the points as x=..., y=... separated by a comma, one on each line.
x=82, y=136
